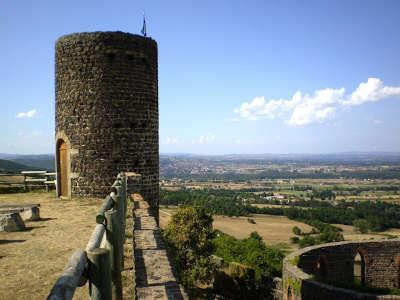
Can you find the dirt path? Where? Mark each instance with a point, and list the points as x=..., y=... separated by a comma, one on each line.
x=31, y=261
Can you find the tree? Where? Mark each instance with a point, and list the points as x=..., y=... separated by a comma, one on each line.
x=361, y=225
x=256, y=236
x=296, y=230
x=189, y=237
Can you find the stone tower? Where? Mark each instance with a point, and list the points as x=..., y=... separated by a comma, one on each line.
x=106, y=113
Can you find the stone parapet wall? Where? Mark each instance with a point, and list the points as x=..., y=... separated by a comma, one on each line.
x=154, y=276
x=304, y=271
x=107, y=110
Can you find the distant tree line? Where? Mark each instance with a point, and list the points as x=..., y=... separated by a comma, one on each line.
x=378, y=216
x=390, y=173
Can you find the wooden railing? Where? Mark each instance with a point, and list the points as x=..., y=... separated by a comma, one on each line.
x=39, y=178
x=102, y=262
x=28, y=180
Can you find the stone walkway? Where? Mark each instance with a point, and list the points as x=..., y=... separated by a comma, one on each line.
x=154, y=276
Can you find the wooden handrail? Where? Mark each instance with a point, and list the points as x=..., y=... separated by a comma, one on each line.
x=66, y=284
x=109, y=233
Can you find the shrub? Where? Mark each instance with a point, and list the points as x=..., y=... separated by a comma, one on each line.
x=189, y=239
x=361, y=225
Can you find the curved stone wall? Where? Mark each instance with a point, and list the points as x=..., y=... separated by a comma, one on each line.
x=107, y=107
x=307, y=272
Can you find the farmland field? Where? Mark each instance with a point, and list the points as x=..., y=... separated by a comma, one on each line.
x=273, y=229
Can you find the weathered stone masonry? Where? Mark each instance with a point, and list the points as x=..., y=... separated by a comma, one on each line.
x=304, y=271
x=154, y=276
x=107, y=111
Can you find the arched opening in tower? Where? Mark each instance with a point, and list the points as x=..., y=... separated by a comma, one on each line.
x=359, y=268
x=321, y=266
x=62, y=168
x=289, y=294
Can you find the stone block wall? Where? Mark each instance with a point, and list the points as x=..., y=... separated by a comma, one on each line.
x=154, y=274
x=107, y=110
x=305, y=271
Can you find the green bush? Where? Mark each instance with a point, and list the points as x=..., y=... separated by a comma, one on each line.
x=189, y=239
x=362, y=225
x=252, y=252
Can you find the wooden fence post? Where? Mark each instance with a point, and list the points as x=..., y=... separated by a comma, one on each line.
x=119, y=207
x=99, y=274
x=114, y=245
x=125, y=189
x=122, y=179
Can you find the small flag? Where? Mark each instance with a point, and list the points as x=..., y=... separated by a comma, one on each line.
x=144, y=26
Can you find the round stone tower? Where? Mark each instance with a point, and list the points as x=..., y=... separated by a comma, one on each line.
x=106, y=113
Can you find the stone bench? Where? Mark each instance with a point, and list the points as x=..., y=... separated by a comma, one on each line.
x=28, y=212
x=11, y=222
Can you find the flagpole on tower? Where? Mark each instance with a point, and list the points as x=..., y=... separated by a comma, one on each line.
x=144, y=32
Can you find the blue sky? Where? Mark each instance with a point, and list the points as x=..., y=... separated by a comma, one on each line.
x=234, y=76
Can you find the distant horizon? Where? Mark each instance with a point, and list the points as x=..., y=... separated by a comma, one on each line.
x=366, y=152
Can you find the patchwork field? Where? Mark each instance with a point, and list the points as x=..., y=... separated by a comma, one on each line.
x=32, y=260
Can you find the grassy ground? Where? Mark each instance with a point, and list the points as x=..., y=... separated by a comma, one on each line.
x=32, y=260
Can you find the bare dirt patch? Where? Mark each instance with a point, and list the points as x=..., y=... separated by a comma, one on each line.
x=32, y=260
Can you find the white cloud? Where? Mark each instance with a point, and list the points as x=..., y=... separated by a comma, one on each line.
x=372, y=90
x=204, y=139
x=377, y=122
x=28, y=114
x=303, y=109
x=171, y=141
x=316, y=108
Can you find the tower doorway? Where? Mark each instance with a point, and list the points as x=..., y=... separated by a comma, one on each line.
x=359, y=268
x=62, y=168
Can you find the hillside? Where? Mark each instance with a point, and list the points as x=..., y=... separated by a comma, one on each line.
x=33, y=161
x=8, y=166
x=41, y=161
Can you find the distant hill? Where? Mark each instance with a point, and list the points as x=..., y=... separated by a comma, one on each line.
x=8, y=166
x=43, y=162
x=40, y=161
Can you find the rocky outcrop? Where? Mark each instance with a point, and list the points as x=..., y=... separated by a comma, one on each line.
x=11, y=222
